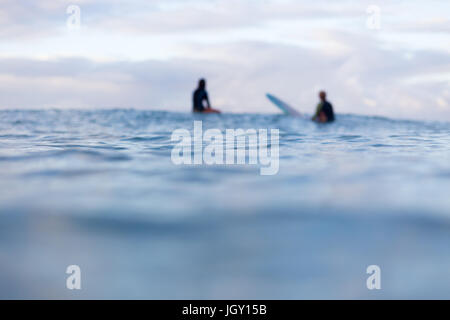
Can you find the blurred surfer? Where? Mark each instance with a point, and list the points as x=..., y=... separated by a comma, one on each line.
x=324, y=112
x=200, y=95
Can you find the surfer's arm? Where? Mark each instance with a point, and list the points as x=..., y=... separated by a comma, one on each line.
x=208, y=105
x=317, y=114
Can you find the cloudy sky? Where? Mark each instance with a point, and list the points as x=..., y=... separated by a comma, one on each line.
x=378, y=57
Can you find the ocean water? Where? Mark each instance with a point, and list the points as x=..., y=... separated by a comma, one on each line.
x=98, y=189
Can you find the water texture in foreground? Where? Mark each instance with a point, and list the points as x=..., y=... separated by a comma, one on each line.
x=98, y=189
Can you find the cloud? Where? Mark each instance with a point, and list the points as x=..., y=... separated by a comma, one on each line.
x=245, y=48
x=431, y=25
x=216, y=15
x=238, y=77
x=29, y=18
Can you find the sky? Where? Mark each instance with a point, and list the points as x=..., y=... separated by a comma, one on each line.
x=379, y=57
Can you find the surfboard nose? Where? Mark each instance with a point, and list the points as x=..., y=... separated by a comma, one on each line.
x=283, y=106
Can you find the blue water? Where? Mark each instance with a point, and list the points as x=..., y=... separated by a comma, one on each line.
x=98, y=189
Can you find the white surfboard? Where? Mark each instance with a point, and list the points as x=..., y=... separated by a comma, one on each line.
x=283, y=106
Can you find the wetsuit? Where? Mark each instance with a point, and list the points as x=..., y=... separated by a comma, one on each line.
x=199, y=96
x=327, y=109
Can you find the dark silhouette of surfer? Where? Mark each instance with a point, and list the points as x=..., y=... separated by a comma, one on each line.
x=199, y=97
x=324, y=112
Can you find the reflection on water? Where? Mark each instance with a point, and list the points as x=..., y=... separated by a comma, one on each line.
x=98, y=189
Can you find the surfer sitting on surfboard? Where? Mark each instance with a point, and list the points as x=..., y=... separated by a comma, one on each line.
x=201, y=95
x=324, y=111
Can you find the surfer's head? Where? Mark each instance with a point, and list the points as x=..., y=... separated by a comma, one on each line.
x=202, y=83
x=322, y=95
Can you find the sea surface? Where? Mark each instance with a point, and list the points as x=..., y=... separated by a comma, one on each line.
x=98, y=189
